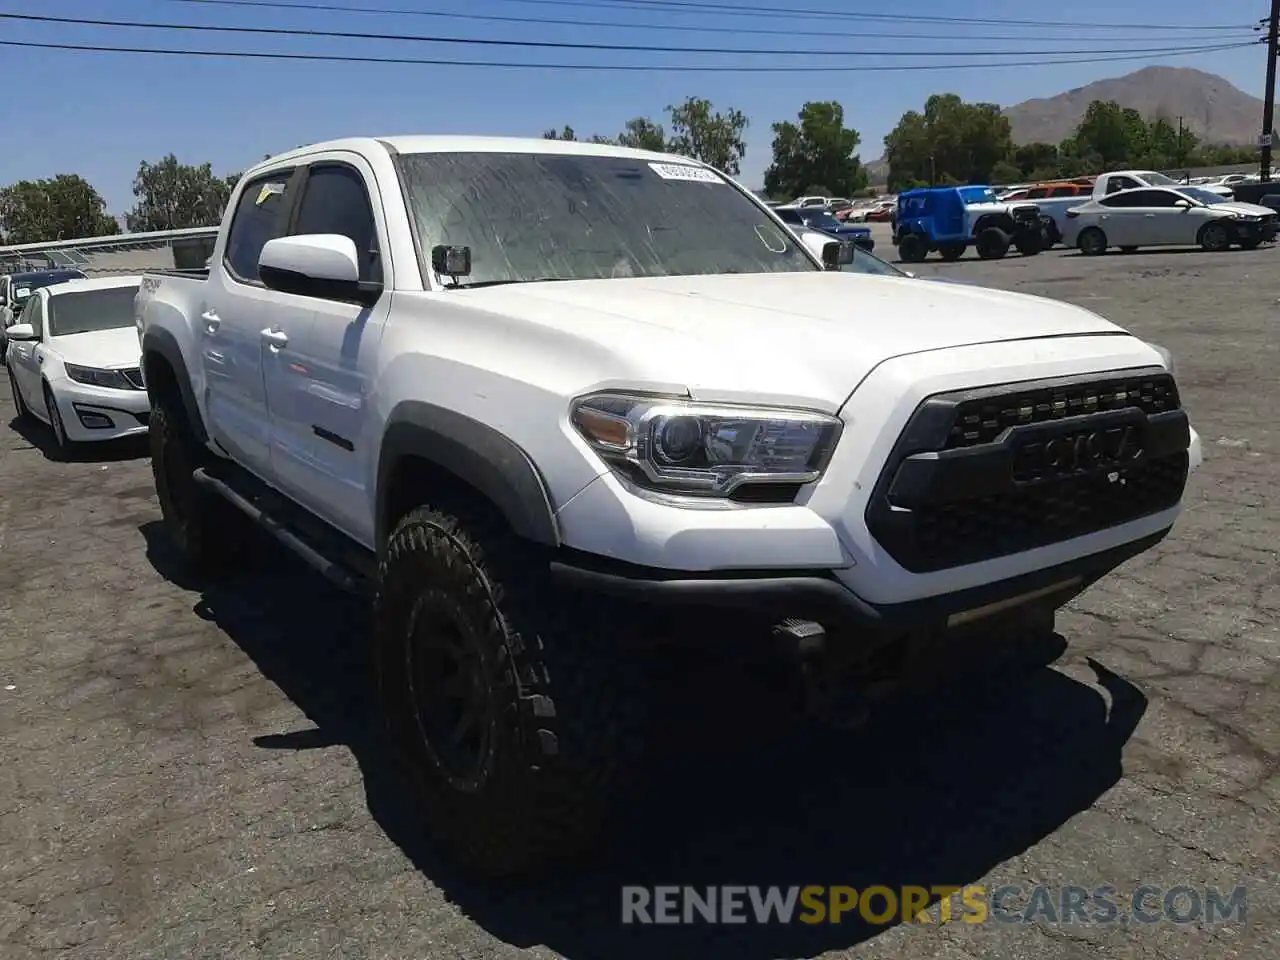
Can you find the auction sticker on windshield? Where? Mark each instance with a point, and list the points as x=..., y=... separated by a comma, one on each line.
x=680, y=171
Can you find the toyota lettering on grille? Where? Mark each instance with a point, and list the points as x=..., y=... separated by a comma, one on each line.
x=1079, y=451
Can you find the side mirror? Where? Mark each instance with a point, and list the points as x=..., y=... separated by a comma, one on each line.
x=325, y=265
x=1182, y=204
x=21, y=331
x=837, y=253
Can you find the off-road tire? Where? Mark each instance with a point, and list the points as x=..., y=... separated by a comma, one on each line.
x=992, y=243
x=206, y=530
x=1214, y=237
x=951, y=251
x=1092, y=242
x=912, y=248
x=1029, y=243
x=564, y=707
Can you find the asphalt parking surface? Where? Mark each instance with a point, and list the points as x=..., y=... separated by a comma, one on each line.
x=191, y=771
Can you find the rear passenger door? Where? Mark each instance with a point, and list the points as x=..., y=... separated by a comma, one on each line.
x=324, y=453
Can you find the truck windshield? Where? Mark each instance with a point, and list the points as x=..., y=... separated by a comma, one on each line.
x=978, y=195
x=90, y=310
x=1160, y=180
x=532, y=216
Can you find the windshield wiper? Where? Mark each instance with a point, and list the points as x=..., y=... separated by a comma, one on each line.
x=476, y=285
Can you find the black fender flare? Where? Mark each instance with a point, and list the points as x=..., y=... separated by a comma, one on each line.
x=475, y=453
x=160, y=342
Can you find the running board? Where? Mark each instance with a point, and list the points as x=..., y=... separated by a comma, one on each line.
x=335, y=572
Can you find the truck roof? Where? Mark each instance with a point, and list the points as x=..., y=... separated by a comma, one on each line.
x=456, y=143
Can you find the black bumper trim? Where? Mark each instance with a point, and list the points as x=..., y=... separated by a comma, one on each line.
x=819, y=596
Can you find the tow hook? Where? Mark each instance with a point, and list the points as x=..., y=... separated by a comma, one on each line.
x=830, y=695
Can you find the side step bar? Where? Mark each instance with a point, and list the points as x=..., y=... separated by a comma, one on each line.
x=335, y=572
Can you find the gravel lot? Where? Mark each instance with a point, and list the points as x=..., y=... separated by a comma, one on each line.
x=196, y=774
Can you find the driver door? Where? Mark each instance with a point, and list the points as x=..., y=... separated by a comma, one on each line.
x=24, y=359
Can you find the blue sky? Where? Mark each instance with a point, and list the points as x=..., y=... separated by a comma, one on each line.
x=99, y=114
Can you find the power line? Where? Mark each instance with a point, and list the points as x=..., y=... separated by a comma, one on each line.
x=617, y=24
x=737, y=9
x=559, y=44
x=597, y=67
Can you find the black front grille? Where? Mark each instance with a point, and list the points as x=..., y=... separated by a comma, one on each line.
x=134, y=376
x=982, y=418
x=983, y=474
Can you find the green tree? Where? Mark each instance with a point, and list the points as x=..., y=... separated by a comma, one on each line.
x=818, y=149
x=64, y=207
x=566, y=133
x=1106, y=131
x=1006, y=172
x=177, y=196
x=641, y=133
x=951, y=141
x=1033, y=159
x=714, y=138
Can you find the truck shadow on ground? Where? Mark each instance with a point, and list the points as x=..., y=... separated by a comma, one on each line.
x=938, y=789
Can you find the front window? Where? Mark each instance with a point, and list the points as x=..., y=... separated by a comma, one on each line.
x=535, y=216
x=977, y=195
x=1204, y=196
x=91, y=310
x=1160, y=180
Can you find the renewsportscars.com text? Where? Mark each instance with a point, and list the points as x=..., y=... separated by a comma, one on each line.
x=1101, y=905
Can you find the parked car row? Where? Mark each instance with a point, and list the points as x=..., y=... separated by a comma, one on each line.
x=1128, y=209
x=73, y=360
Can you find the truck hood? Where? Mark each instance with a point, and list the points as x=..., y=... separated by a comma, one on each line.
x=105, y=349
x=797, y=336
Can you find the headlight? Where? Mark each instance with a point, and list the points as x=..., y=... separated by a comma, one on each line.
x=92, y=376
x=679, y=446
x=1166, y=356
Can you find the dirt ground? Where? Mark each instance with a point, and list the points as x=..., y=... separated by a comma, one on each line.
x=198, y=773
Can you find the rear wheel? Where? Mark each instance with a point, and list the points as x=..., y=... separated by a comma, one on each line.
x=1215, y=237
x=510, y=705
x=912, y=248
x=992, y=243
x=1092, y=242
x=951, y=251
x=203, y=526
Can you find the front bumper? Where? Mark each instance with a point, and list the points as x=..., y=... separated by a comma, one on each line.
x=820, y=597
x=91, y=414
x=1257, y=231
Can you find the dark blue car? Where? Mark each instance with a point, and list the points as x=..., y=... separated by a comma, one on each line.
x=820, y=220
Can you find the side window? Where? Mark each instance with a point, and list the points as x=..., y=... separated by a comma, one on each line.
x=1035, y=193
x=33, y=313
x=1121, y=183
x=1155, y=198
x=259, y=217
x=335, y=200
x=1120, y=200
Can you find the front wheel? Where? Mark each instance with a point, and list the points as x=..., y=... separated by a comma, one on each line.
x=1030, y=243
x=992, y=243
x=1251, y=244
x=509, y=705
x=1215, y=237
x=55, y=423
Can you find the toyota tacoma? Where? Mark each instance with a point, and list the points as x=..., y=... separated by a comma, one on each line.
x=542, y=399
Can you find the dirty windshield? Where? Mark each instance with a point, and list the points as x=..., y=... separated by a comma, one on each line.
x=530, y=216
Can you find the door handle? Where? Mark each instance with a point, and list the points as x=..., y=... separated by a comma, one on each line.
x=1148, y=215
x=211, y=321
x=275, y=339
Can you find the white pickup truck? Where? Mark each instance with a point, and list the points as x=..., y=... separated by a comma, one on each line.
x=547, y=401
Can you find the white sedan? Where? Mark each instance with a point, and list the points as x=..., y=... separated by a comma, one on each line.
x=1166, y=216
x=73, y=361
